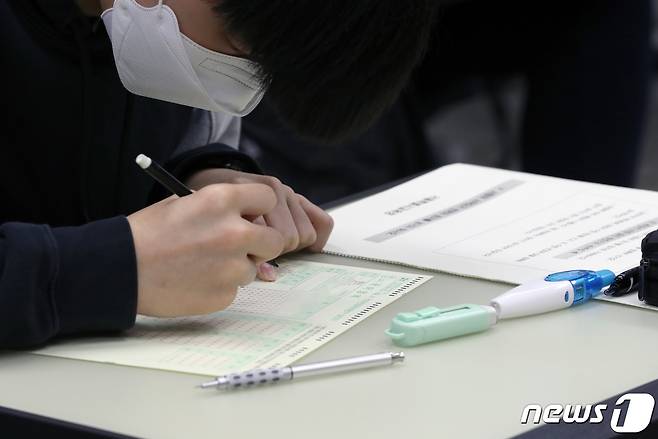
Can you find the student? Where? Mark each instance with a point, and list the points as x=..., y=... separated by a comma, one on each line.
x=71, y=261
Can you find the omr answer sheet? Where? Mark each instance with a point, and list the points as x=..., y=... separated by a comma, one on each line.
x=497, y=224
x=269, y=323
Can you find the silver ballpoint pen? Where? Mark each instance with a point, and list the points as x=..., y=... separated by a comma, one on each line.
x=277, y=374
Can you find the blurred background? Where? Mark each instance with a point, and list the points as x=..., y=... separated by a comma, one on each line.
x=468, y=131
x=563, y=88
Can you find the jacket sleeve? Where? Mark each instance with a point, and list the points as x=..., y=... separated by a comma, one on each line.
x=65, y=280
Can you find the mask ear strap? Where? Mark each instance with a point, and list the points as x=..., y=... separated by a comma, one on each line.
x=160, y=8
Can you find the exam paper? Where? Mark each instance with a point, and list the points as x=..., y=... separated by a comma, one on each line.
x=269, y=324
x=498, y=225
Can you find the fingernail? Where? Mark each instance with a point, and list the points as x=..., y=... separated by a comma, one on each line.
x=267, y=272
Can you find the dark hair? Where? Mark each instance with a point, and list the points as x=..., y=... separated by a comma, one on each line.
x=333, y=66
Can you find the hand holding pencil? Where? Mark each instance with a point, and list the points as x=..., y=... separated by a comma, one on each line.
x=300, y=224
x=193, y=252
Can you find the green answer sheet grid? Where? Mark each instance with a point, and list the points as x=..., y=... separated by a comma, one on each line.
x=269, y=324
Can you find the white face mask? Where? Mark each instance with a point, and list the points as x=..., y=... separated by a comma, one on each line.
x=154, y=59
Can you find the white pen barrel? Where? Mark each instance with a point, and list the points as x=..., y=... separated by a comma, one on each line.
x=534, y=298
x=345, y=364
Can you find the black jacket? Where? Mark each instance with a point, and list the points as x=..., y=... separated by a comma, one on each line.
x=67, y=175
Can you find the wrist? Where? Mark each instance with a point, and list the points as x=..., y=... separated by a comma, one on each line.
x=213, y=156
x=205, y=177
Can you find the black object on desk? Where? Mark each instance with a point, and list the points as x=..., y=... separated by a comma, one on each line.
x=625, y=283
x=648, y=292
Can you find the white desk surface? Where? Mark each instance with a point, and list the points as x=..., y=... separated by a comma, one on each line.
x=473, y=386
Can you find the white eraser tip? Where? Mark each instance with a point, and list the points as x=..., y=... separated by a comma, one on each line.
x=143, y=161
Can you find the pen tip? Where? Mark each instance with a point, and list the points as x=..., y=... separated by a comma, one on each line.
x=143, y=161
x=208, y=384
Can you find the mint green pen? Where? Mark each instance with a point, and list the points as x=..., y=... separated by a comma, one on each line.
x=553, y=292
